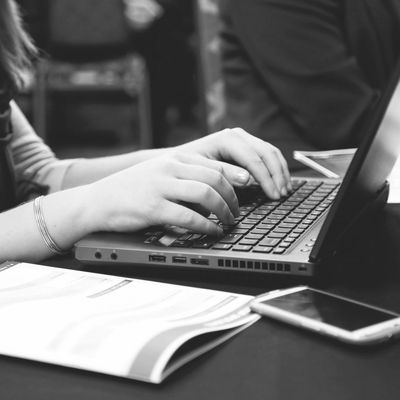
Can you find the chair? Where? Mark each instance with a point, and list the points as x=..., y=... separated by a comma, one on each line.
x=91, y=59
x=212, y=87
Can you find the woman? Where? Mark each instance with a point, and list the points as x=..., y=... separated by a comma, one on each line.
x=119, y=193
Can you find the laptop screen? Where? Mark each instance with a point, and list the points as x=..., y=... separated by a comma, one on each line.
x=368, y=171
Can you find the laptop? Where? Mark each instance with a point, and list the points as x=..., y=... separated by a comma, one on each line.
x=292, y=236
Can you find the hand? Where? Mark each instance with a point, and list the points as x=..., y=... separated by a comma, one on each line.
x=158, y=192
x=262, y=160
x=141, y=13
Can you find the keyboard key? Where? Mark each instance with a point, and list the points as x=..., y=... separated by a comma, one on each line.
x=222, y=246
x=269, y=242
x=279, y=250
x=243, y=226
x=266, y=226
x=203, y=244
x=281, y=230
x=255, y=216
x=181, y=243
x=254, y=236
x=263, y=249
x=294, y=235
x=197, y=236
x=240, y=247
x=286, y=225
x=260, y=230
x=248, y=221
x=248, y=242
x=239, y=231
x=297, y=214
x=276, y=235
x=292, y=220
x=230, y=238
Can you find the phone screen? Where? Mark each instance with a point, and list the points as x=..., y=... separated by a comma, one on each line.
x=330, y=310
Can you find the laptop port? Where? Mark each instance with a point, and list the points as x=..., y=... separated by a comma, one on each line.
x=199, y=261
x=157, y=258
x=179, y=260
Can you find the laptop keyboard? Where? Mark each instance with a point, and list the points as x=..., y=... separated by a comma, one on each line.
x=266, y=226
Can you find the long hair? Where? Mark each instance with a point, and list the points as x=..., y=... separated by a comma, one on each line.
x=16, y=46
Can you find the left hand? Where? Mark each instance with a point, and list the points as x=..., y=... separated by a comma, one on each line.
x=258, y=160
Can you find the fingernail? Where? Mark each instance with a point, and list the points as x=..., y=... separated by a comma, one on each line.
x=283, y=191
x=242, y=177
x=219, y=231
x=276, y=194
x=289, y=187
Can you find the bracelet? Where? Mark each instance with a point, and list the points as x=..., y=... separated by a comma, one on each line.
x=41, y=224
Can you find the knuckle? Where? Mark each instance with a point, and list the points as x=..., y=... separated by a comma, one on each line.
x=220, y=168
x=207, y=191
x=187, y=217
x=257, y=161
x=217, y=178
x=181, y=157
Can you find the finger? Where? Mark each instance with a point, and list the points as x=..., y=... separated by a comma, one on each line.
x=197, y=208
x=274, y=167
x=235, y=175
x=274, y=160
x=285, y=169
x=267, y=148
x=244, y=154
x=212, y=177
x=176, y=214
x=200, y=193
x=260, y=158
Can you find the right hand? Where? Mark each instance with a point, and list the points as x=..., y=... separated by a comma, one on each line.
x=157, y=192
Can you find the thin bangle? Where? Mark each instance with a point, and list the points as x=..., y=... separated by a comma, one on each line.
x=41, y=224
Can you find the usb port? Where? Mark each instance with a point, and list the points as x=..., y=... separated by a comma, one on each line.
x=199, y=261
x=157, y=258
x=179, y=260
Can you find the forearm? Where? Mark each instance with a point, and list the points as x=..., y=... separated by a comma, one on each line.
x=90, y=170
x=67, y=216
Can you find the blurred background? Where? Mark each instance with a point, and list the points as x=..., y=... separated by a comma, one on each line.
x=119, y=75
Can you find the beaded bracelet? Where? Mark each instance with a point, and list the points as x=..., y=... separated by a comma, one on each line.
x=41, y=224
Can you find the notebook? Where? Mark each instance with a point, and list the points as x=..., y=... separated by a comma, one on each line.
x=293, y=236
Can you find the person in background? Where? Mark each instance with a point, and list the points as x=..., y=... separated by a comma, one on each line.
x=161, y=31
x=119, y=193
x=303, y=74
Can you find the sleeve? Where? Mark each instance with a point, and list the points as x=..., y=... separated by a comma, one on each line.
x=37, y=169
x=298, y=51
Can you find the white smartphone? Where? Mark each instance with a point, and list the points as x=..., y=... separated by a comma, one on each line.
x=328, y=314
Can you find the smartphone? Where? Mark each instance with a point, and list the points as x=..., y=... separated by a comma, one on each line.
x=328, y=314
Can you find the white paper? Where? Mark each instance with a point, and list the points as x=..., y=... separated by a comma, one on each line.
x=114, y=325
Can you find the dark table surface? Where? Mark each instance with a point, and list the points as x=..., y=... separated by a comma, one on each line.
x=269, y=360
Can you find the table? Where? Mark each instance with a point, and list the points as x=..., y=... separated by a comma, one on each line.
x=269, y=360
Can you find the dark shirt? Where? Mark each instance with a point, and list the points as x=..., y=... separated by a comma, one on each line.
x=302, y=74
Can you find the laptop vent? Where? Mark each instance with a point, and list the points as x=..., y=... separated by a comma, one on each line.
x=254, y=265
